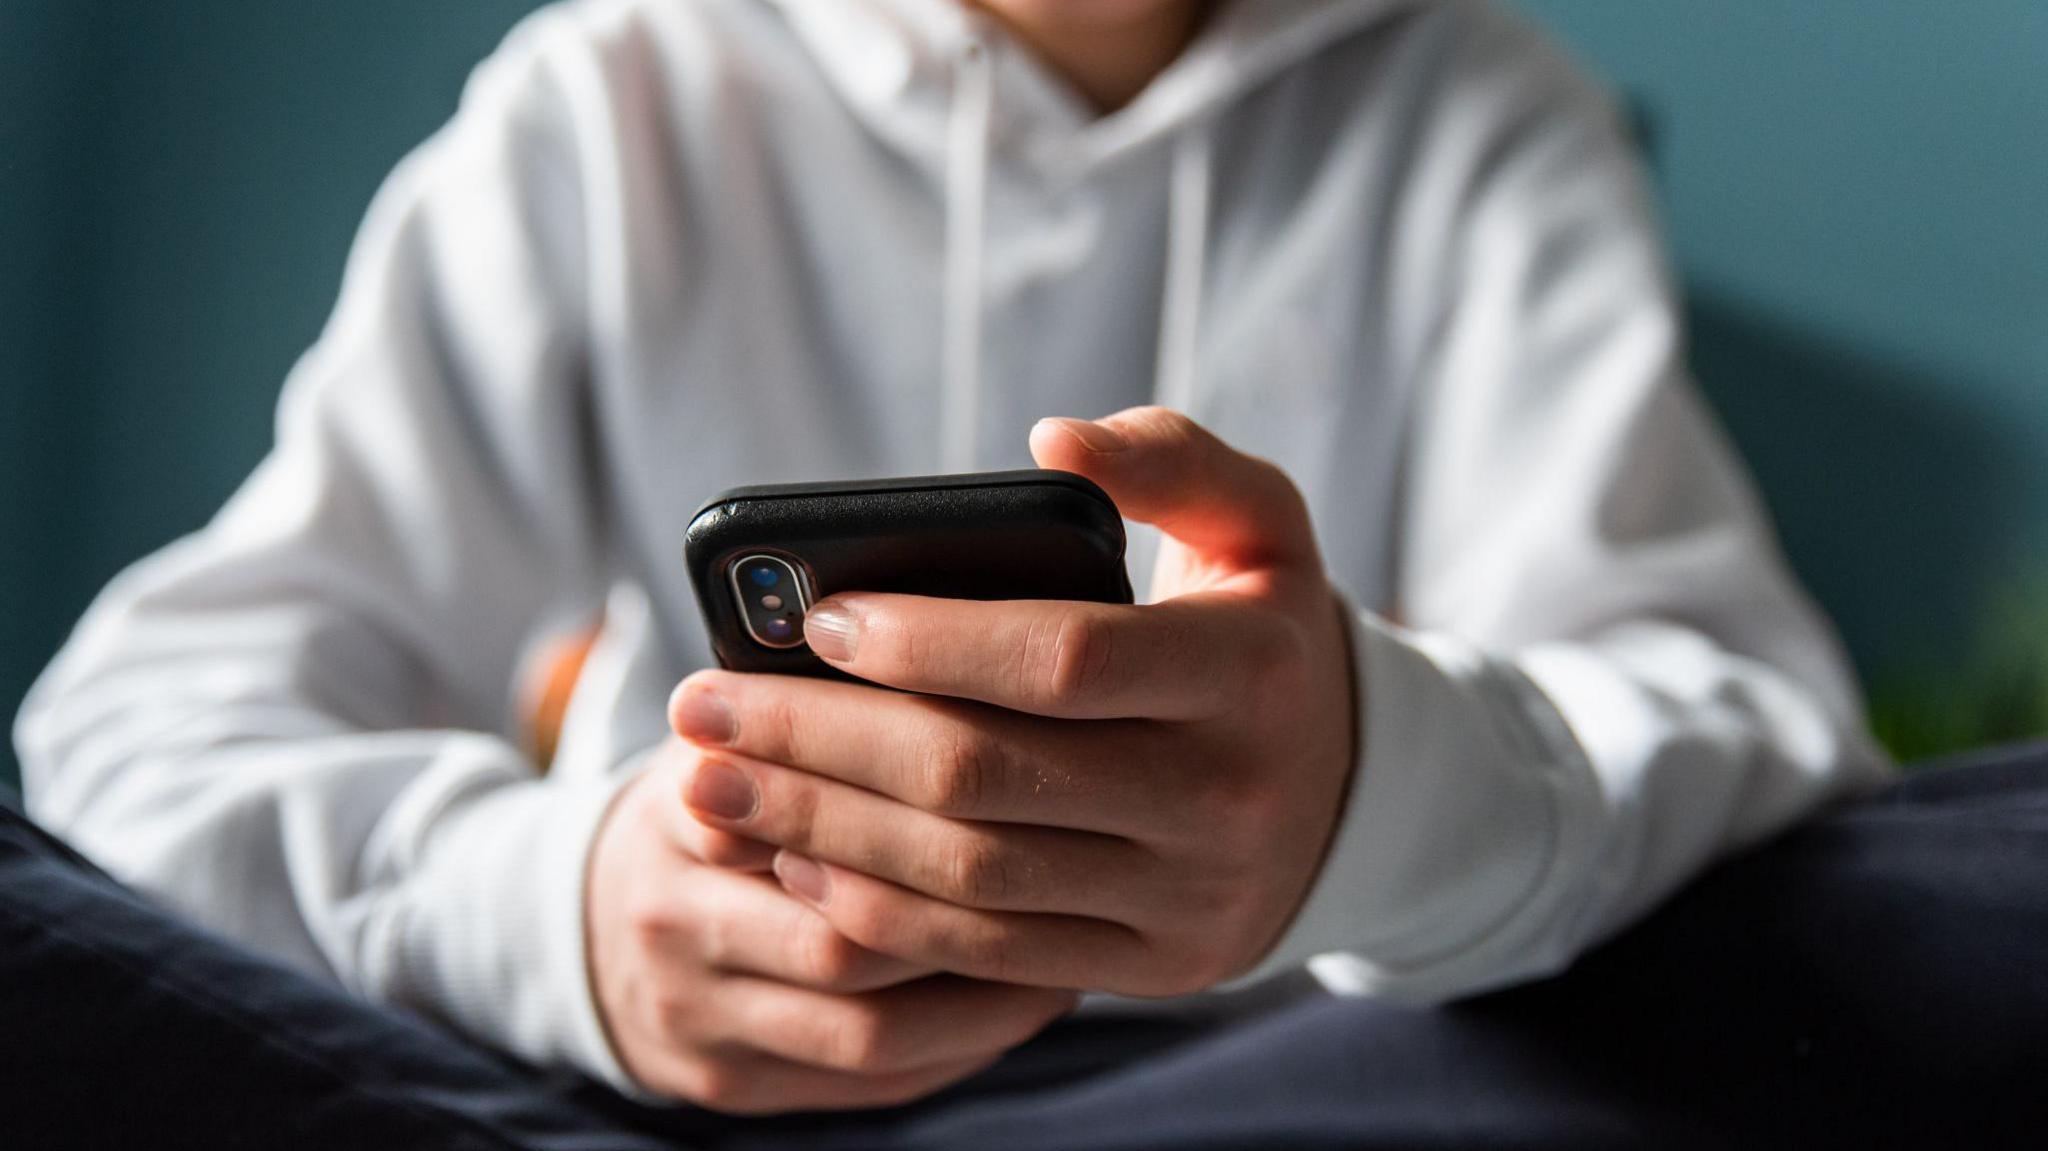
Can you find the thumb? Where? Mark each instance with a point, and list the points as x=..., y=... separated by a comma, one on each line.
x=1166, y=470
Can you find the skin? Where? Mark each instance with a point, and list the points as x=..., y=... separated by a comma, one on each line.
x=1107, y=49
x=838, y=896
x=718, y=987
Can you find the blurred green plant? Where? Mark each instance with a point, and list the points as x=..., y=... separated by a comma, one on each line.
x=1996, y=693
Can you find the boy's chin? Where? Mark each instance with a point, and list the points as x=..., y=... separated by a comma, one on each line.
x=1098, y=13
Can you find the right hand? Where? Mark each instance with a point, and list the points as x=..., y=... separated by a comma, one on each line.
x=718, y=987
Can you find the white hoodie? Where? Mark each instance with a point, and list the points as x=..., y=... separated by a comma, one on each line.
x=668, y=246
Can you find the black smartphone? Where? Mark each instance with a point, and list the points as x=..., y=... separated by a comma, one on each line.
x=759, y=557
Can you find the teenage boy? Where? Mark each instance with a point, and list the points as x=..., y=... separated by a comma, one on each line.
x=1493, y=655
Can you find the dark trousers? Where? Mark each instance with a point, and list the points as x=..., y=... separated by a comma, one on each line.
x=1878, y=978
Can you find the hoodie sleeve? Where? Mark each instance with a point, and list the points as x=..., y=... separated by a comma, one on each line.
x=295, y=724
x=1605, y=678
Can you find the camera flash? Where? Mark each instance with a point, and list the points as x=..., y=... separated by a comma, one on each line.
x=772, y=602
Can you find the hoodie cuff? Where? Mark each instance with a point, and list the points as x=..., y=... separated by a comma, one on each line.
x=1469, y=806
x=492, y=938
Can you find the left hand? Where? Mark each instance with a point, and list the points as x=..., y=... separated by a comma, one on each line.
x=1132, y=799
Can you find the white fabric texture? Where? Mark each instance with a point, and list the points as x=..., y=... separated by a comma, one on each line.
x=670, y=246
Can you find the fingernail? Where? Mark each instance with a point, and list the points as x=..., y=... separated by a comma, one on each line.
x=832, y=631
x=1093, y=436
x=803, y=878
x=722, y=791
x=703, y=716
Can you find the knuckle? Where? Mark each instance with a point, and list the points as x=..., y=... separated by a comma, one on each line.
x=961, y=766
x=973, y=871
x=670, y=1010
x=794, y=799
x=859, y=1040
x=1075, y=660
x=1167, y=424
x=990, y=950
x=1274, y=482
x=901, y=649
x=1280, y=488
x=648, y=918
x=775, y=729
x=715, y=944
x=825, y=958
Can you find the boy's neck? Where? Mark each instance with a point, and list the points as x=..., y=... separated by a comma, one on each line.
x=1108, y=57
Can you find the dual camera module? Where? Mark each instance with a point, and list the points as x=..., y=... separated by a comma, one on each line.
x=772, y=600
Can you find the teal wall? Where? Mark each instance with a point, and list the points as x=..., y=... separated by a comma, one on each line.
x=1858, y=195
x=178, y=187
x=1856, y=189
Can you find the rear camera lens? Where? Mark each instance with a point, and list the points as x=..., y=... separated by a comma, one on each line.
x=772, y=596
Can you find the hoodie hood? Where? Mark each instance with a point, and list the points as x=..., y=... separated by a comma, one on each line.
x=940, y=83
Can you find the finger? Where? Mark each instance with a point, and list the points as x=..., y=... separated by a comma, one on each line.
x=1185, y=659
x=1164, y=469
x=1000, y=867
x=675, y=764
x=944, y=1019
x=944, y=756
x=747, y=925
x=722, y=849
x=1001, y=946
x=752, y=1083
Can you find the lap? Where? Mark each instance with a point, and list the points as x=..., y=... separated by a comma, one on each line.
x=123, y=1026
x=1874, y=976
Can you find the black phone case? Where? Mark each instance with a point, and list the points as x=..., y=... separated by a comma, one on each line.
x=993, y=536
